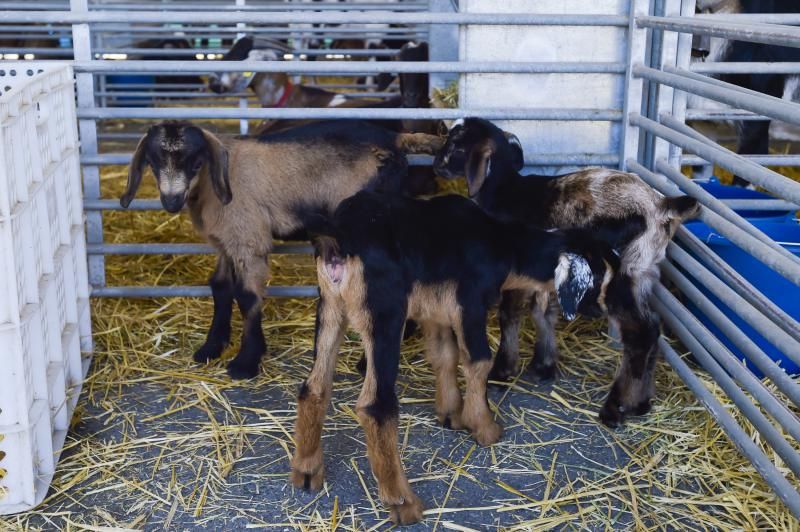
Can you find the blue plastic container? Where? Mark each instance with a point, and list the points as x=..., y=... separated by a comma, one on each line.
x=720, y=191
x=781, y=291
x=125, y=79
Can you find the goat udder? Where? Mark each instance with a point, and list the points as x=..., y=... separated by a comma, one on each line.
x=334, y=267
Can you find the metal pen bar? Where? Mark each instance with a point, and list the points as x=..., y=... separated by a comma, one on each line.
x=738, y=283
x=788, y=268
x=288, y=17
x=716, y=205
x=765, y=327
x=765, y=160
x=754, y=353
x=610, y=115
x=745, y=68
x=723, y=92
x=726, y=29
x=149, y=292
x=740, y=439
x=761, y=205
x=772, y=181
x=580, y=159
x=675, y=314
x=349, y=67
x=789, y=19
x=181, y=249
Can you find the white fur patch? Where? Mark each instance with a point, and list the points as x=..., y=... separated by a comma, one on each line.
x=456, y=123
x=339, y=99
x=573, y=278
x=514, y=140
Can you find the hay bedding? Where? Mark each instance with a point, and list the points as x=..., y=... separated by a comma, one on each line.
x=160, y=442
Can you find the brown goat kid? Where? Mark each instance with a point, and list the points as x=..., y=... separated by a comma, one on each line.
x=618, y=208
x=242, y=193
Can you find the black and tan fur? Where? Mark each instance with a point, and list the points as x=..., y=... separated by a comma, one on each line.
x=244, y=192
x=617, y=208
x=382, y=260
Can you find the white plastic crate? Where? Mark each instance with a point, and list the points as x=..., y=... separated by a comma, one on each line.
x=45, y=327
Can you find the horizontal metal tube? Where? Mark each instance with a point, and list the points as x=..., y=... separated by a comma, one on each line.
x=772, y=181
x=188, y=113
x=789, y=19
x=288, y=17
x=670, y=310
x=723, y=114
x=390, y=6
x=765, y=327
x=194, y=291
x=726, y=29
x=766, y=160
x=181, y=249
x=745, y=68
x=723, y=92
x=349, y=67
x=713, y=203
x=777, y=375
x=741, y=439
x=761, y=205
x=789, y=268
x=738, y=283
x=565, y=159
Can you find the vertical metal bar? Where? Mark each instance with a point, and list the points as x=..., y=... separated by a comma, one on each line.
x=634, y=86
x=683, y=58
x=651, y=90
x=243, y=123
x=82, y=45
x=665, y=95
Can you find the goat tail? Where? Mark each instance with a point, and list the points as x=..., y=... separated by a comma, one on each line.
x=419, y=143
x=680, y=207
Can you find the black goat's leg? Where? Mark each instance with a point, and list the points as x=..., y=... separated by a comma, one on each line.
x=509, y=315
x=249, y=295
x=544, y=311
x=753, y=140
x=222, y=289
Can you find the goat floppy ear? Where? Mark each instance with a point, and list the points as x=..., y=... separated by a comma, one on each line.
x=134, y=173
x=518, y=158
x=478, y=167
x=218, y=168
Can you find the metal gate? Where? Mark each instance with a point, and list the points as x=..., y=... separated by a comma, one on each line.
x=638, y=108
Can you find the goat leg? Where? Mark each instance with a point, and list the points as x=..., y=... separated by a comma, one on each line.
x=308, y=470
x=249, y=290
x=544, y=311
x=219, y=334
x=509, y=315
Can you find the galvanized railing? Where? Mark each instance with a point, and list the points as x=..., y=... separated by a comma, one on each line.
x=657, y=74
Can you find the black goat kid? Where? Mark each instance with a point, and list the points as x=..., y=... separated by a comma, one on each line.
x=443, y=262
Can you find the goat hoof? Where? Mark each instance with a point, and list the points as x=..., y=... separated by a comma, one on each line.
x=361, y=366
x=407, y=513
x=307, y=481
x=451, y=421
x=543, y=373
x=502, y=373
x=488, y=434
x=208, y=352
x=612, y=414
x=642, y=408
x=239, y=370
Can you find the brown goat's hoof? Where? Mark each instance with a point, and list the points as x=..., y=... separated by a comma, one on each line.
x=612, y=414
x=308, y=481
x=487, y=434
x=543, y=373
x=451, y=421
x=407, y=513
x=238, y=370
x=208, y=352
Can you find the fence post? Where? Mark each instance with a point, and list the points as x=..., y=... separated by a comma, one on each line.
x=82, y=46
x=634, y=87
